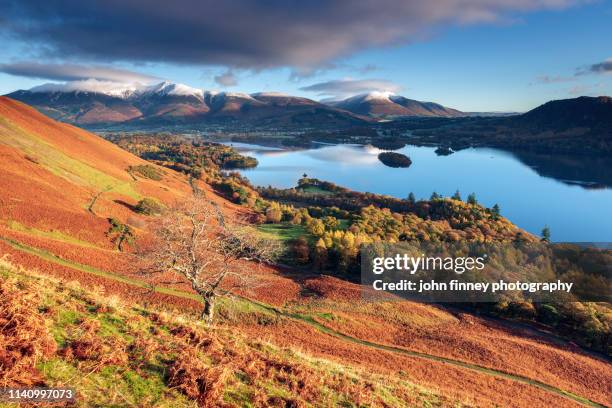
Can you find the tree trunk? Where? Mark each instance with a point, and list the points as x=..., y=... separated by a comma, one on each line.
x=120, y=240
x=208, y=312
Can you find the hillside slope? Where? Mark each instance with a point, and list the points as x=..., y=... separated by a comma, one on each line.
x=52, y=172
x=584, y=111
x=349, y=351
x=61, y=186
x=580, y=125
x=72, y=337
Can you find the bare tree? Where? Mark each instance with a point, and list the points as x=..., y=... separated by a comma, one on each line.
x=195, y=242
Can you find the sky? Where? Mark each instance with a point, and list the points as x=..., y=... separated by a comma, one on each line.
x=472, y=55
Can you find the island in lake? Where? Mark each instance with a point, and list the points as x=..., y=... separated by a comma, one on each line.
x=392, y=159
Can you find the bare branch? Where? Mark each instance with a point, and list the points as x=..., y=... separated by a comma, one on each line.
x=214, y=255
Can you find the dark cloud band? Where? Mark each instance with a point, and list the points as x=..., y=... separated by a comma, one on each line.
x=238, y=33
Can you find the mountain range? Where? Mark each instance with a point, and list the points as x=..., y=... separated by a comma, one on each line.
x=94, y=103
x=389, y=105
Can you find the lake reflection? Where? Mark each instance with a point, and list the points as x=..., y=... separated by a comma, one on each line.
x=529, y=199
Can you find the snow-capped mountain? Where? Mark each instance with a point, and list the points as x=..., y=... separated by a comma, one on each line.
x=120, y=90
x=167, y=88
x=388, y=105
x=93, y=102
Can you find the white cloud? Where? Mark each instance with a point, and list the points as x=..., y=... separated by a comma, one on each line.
x=74, y=72
x=340, y=88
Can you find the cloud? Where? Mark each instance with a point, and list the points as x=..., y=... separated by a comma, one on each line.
x=338, y=88
x=228, y=78
x=584, y=89
x=368, y=68
x=240, y=33
x=604, y=67
x=73, y=72
x=547, y=79
x=89, y=85
x=300, y=74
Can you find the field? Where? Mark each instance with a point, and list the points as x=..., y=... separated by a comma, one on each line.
x=283, y=232
x=315, y=190
x=296, y=339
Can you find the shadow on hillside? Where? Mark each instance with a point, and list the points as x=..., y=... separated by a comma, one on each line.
x=126, y=205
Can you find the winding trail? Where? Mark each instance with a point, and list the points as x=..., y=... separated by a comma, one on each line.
x=457, y=363
x=310, y=321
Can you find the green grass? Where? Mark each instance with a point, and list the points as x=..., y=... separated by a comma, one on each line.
x=283, y=232
x=127, y=385
x=113, y=386
x=60, y=164
x=315, y=190
x=146, y=171
x=54, y=235
x=343, y=224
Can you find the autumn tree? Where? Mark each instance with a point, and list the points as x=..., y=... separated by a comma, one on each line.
x=120, y=233
x=316, y=227
x=301, y=250
x=331, y=223
x=196, y=243
x=319, y=256
x=274, y=213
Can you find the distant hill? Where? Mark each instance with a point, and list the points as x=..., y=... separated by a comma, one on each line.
x=89, y=104
x=387, y=105
x=578, y=126
x=582, y=112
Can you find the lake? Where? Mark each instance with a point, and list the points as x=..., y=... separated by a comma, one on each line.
x=573, y=196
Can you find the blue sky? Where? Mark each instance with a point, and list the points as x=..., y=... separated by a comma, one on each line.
x=518, y=61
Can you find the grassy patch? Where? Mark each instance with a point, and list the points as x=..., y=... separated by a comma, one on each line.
x=149, y=206
x=54, y=235
x=245, y=311
x=146, y=171
x=315, y=190
x=343, y=224
x=328, y=316
x=283, y=231
x=59, y=163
